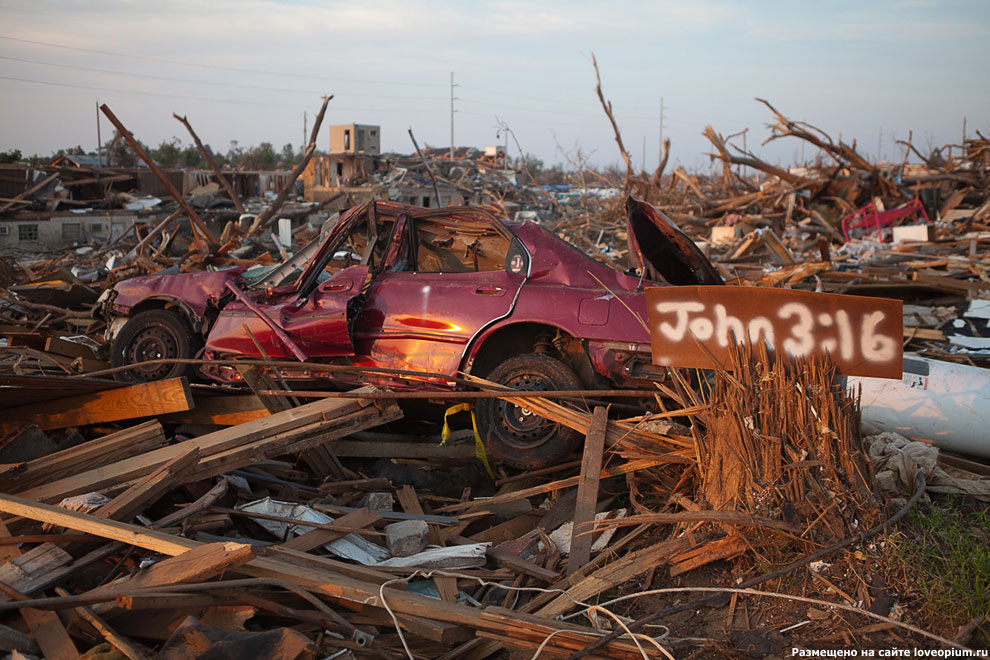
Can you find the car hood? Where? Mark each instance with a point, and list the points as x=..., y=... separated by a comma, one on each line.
x=197, y=291
x=654, y=240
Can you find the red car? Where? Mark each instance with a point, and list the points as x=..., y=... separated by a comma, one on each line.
x=440, y=291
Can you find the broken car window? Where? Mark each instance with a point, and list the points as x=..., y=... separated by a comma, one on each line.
x=458, y=246
x=353, y=248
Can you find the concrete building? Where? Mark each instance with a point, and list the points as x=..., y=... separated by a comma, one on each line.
x=355, y=139
x=41, y=231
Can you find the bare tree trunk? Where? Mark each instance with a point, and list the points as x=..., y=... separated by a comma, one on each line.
x=195, y=219
x=209, y=161
x=663, y=164
x=749, y=161
x=607, y=107
x=267, y=216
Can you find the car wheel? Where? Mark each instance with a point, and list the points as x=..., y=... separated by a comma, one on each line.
x=152, y=335
x=514, y=435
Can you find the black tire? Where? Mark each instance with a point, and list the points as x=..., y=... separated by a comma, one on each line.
x=152, y=335
x=512, y=434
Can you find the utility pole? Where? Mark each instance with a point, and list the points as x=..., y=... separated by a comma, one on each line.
x=802, y=147
x=879, y=146
x=99, y=140
x=452, y=85
x=742, y=168
x=660, y=143
x=644, y=154
x=305, y=132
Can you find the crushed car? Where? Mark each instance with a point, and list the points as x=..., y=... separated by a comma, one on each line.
x=444, y=292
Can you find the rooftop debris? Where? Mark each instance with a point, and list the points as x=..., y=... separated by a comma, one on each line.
x=176, y=516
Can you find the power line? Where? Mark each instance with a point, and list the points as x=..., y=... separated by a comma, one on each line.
x=215, y=67
x=196, y=98
x=205, y=82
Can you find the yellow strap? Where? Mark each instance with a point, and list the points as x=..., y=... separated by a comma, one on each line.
x=479, y=446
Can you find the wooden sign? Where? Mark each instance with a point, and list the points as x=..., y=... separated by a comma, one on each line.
x=863, y=335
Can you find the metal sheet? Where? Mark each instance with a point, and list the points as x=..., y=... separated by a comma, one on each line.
x=863, y=335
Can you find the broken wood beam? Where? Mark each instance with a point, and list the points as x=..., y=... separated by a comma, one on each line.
x=268, y=215
x=233, y=447
x=313, y=577
x=587, y=493
x=142, y=400
x=158, y=229
x=212, y=164
x=139, y=150
x=46, y=628
x=121, y=643
x=100, y=451
x=19, y=199
x=339, y=528
x=145, y=492
x=197, y=564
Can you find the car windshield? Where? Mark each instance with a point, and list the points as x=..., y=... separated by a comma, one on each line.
x=288, y=271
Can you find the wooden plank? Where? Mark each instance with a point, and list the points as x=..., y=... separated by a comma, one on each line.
x=133, y=500
x=409, y=501
x=100, y=451
x=21, y=389
x=447, y=587
x=222, y=410
x=608, y=473
x=613, y=574
x=197, y=564
x=352, y=592
x=950, y=284
x=19, y=572
x=144, y=400
x=587, y=492
x=68, y=349
x=707, y=553
x=519, y=565
x=122, y=644
x=316, y=538
x=45, y=626
x=218, y=450
x=177, y=602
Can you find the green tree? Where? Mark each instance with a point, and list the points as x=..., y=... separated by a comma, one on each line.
x=168, y=153
x=266, y=156
x=191, y=157
x=119, y=153
x=288, y=155
x=71, y=151
x=11, y=156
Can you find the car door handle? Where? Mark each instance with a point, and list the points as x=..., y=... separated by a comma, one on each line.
x=490, y=290
x=338, y=286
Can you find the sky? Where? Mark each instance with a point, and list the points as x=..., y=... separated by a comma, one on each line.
x=249, y=70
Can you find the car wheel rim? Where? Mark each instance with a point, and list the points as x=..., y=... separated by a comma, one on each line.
x=519, y=427
x=153, y=343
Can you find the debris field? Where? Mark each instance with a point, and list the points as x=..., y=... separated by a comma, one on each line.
x=305, y=466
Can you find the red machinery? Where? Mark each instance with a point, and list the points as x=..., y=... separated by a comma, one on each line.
x=868, y=217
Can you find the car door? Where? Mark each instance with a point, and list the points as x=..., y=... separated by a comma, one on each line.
x=457, y=274
x=315, y=318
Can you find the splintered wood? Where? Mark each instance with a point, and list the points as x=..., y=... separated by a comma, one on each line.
x=782, y=436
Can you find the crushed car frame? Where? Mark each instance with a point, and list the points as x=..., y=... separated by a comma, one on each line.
x=440, y=291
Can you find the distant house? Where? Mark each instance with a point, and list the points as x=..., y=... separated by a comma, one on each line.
x=354, y=160
x=67, y=160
